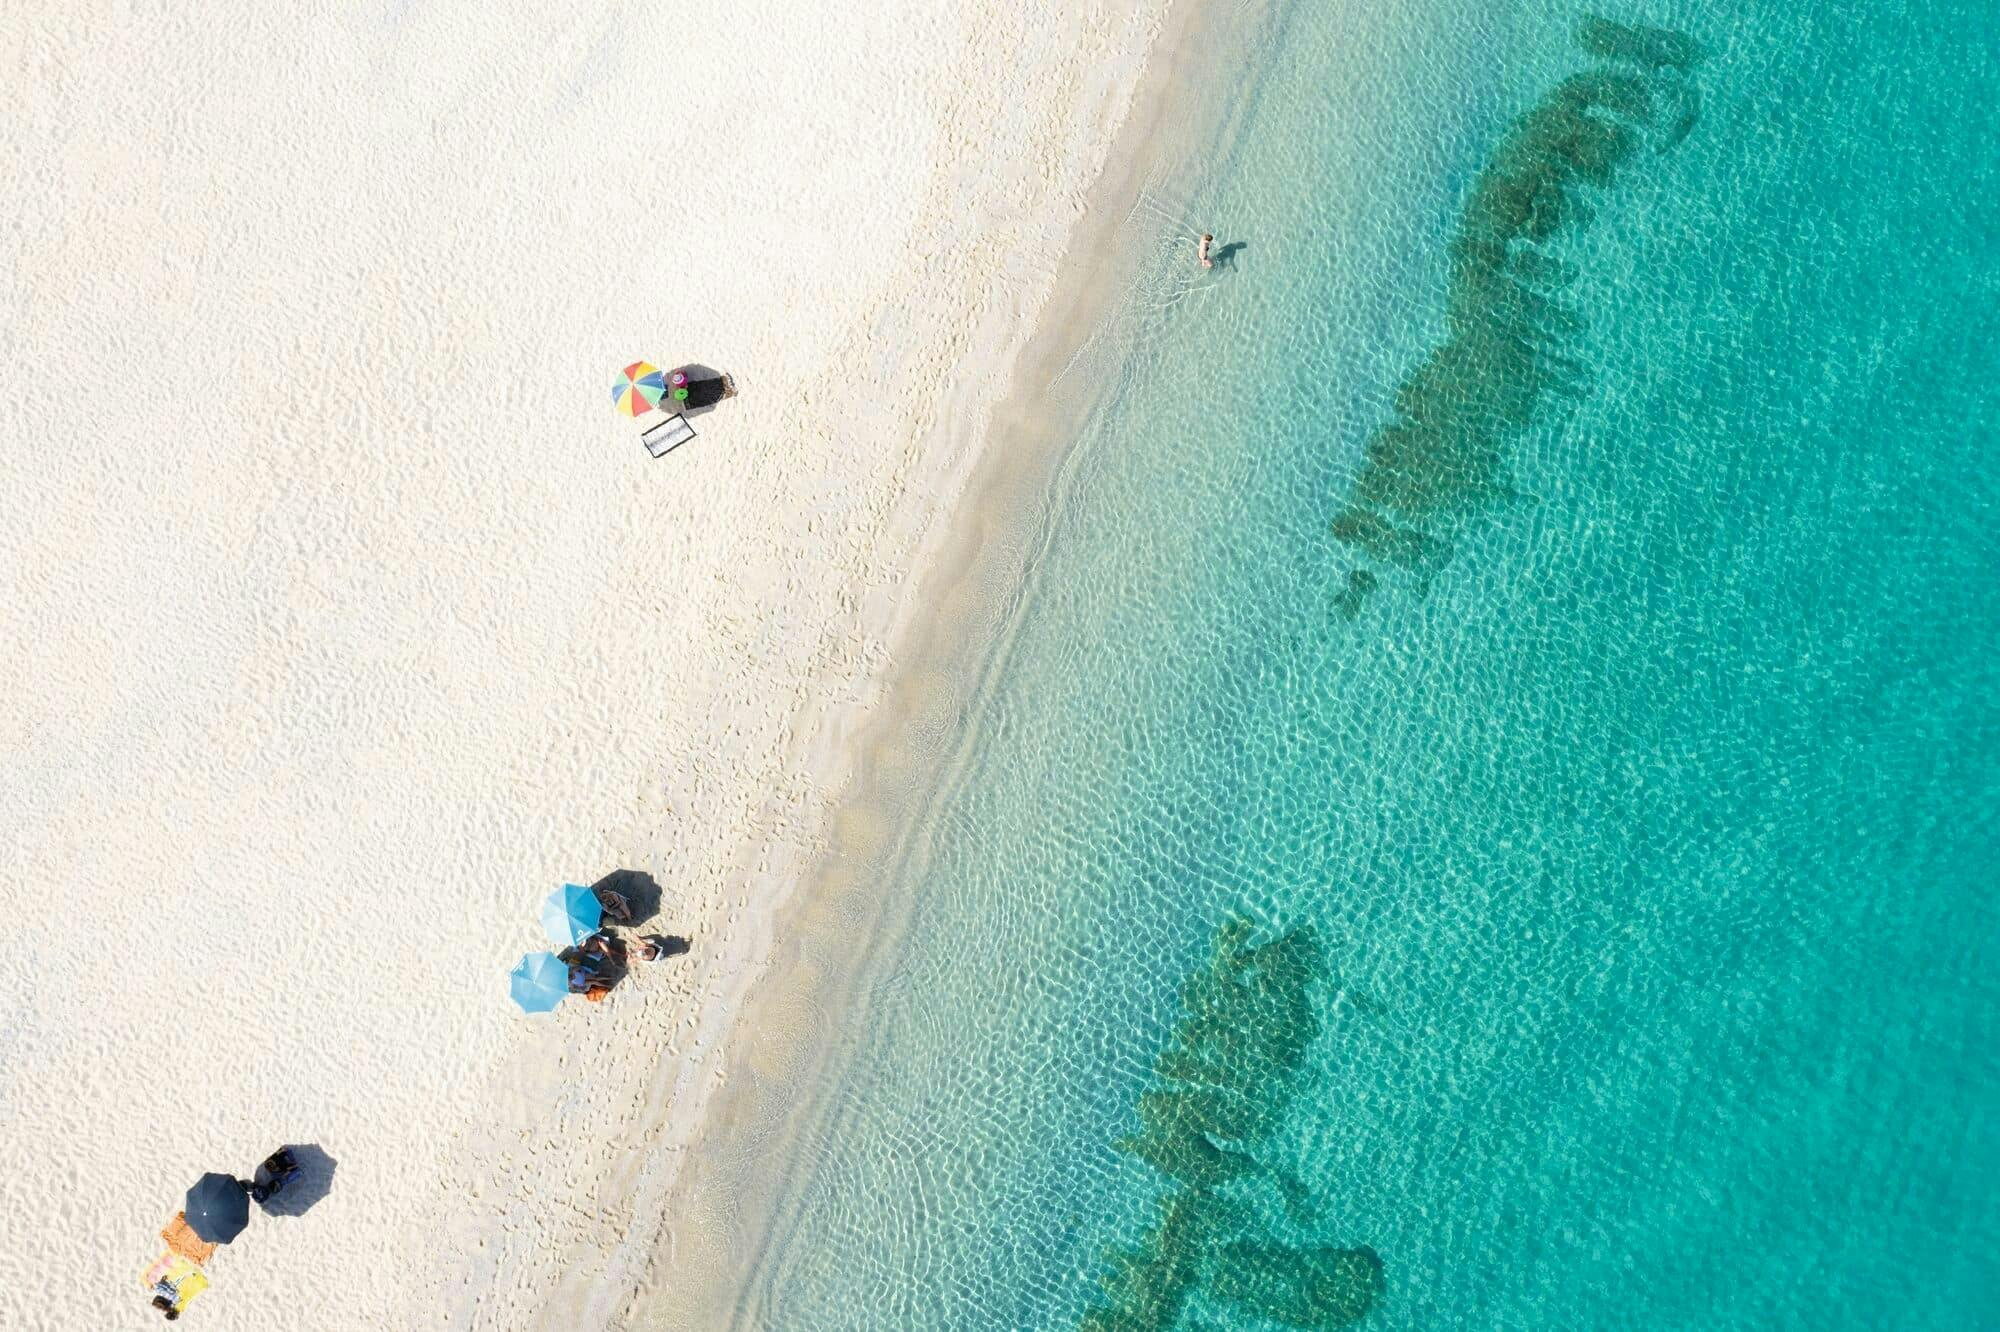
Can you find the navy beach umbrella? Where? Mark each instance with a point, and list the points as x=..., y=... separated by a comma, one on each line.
x=218, y=1207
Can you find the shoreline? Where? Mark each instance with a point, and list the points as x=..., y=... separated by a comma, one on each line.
x=835, y=929
x=999, y=640
x=845, y=747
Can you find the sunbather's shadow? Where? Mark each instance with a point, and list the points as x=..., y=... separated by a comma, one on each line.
x=670, y=945
x=1226, y=256
x=640, y=890
x=313, y=1182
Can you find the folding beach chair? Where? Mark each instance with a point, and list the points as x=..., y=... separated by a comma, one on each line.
x=668, y=435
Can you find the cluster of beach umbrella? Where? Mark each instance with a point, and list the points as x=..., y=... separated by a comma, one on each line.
x=570, y=915
x=215, y=1211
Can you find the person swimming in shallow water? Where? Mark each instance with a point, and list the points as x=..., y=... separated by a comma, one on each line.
x=1201, y=250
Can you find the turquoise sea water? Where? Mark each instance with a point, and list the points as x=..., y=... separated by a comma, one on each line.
x=1646, y=816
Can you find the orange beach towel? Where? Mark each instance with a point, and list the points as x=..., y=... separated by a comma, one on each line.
x=181, y=1239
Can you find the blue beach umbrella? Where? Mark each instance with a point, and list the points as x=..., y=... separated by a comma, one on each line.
x=218, y=1207
x=571, y=915
x=539, y=983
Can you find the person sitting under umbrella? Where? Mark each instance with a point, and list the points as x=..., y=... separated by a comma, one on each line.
x=593, y=954
x=585, y=980
x=693, y=394
x=278, y=1169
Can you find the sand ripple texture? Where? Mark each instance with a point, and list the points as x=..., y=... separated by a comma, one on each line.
x=346, y=619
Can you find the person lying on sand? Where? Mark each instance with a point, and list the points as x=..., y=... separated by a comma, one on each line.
x=615, y=906
x=171, y=1294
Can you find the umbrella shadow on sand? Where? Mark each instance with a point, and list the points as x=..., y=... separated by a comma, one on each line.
x=303, y=1190
x=695, y=370
x=640, y=889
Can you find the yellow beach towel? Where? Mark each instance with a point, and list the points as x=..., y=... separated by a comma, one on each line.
x=179, y=1275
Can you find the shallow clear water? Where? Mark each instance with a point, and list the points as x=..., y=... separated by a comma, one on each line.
x=1650, y=832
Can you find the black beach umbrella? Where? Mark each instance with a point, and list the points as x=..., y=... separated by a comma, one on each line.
x=218, y=1208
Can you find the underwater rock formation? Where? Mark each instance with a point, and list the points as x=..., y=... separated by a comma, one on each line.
x=1231, y=1069
x=1443, y=455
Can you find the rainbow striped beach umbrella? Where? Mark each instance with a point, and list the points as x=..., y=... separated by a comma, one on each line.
x=639, y=389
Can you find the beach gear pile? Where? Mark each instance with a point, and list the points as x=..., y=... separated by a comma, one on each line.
x=588, y=959
x=216, y=1211
x=642, y=388
x=589, y=956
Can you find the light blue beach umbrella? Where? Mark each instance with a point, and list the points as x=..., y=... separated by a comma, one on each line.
x=571, y=915
x=539, y=983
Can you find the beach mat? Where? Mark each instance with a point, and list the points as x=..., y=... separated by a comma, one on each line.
x=181, y=1239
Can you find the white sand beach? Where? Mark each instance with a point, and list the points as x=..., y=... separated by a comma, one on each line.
x=346, y=620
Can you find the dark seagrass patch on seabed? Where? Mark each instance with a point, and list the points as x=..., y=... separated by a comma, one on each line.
x=1231, y=1070
x=1506, y=364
